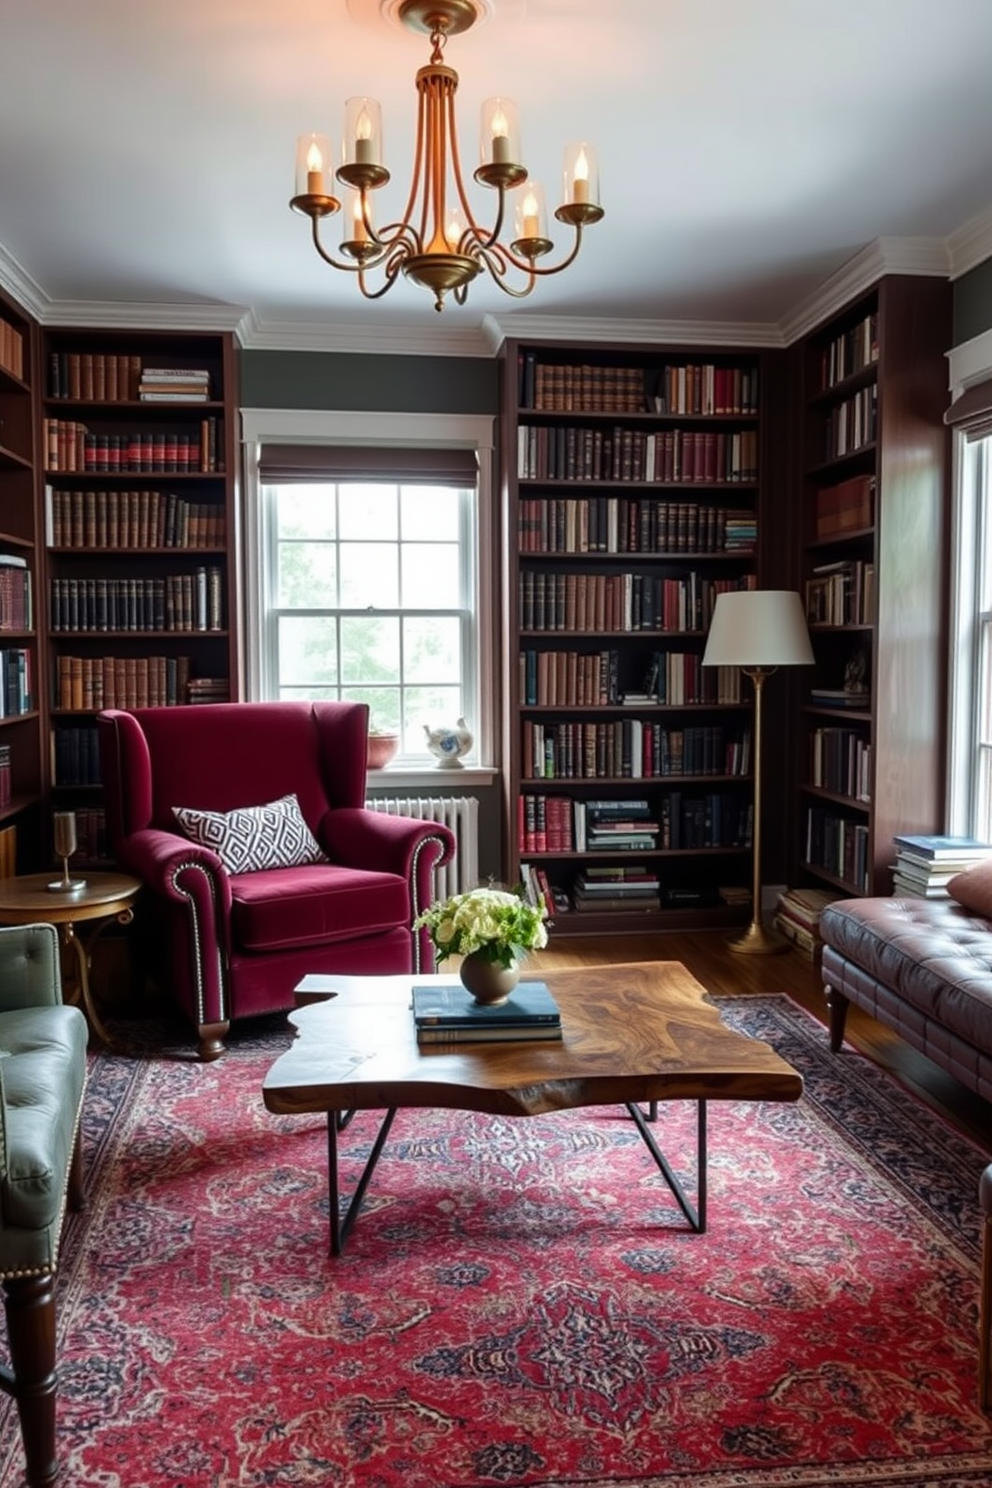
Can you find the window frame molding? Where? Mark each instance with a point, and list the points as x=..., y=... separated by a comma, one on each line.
x=406, y=430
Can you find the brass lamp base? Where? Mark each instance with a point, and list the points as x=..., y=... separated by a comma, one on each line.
x=757, y=941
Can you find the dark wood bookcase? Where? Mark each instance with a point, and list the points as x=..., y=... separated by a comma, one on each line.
x=139, y=508
x=631, y=497
x=873, y=565
x=21, y=676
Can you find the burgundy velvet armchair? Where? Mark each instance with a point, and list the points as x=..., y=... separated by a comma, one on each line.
x=272, y=867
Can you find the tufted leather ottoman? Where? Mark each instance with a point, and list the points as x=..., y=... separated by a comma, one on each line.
x=923, y=967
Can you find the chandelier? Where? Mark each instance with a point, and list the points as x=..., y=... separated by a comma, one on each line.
x=439, y=243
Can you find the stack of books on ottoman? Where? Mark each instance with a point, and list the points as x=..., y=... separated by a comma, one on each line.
x=925, y=864
x=797, y=917
x=451, y=1015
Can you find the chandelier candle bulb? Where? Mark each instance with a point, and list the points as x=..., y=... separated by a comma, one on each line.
x=363, y=131
x=313, y=164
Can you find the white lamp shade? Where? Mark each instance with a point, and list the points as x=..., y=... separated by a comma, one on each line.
x=758, y=628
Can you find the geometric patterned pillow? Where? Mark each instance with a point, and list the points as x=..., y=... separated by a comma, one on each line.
x=251, y=838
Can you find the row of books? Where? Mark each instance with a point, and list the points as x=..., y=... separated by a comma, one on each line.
x=631, y=748
x=451, y=1015
x=846, y=507
x=11, y=349
x=620, y=602
x=840, y=762
x=16, y=593
x=849, y=352
x=838, y=845
x=841, y=593
x=174, y=602
x=926, y=863
x=76, y=756
x=579, y=679
x=614, y=524
x=91, y=835
x=70, y=447
x=681, y=821
x=6, y=783
x=113, y=377
x=85, y=684
x=17, y=695
x=131, y=519
x=628, y=888
x=852, y=424
x=698, y=388
x=797, y=917
x=548, y=452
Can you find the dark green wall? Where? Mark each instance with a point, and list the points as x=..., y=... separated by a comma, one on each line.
x=368, y=382
x=973, y=303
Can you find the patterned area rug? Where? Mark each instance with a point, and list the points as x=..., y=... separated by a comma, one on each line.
x=521, y=1302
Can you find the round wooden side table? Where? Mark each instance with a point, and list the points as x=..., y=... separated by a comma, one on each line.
x=105, y=897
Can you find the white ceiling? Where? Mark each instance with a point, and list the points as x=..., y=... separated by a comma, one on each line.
x=748, y=149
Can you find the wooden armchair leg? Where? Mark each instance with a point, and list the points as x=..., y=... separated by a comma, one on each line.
x=29, y=1302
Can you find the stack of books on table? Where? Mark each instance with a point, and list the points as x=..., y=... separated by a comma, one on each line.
x=611, y=886
x=797, y=917
x=451, y=1015
x=925, y=864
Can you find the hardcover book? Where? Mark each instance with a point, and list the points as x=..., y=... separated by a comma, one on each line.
x=529, y=1005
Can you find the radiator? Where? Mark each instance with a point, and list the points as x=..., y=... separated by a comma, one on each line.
x=461, y=815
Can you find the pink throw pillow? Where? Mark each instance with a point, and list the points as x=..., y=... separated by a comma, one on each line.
x=973, y=889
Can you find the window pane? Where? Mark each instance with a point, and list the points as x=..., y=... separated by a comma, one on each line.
x=369, y=577
x=430, y=576
x=369, y=511
x=384, y=706
x=307, y=576
x=432, y=650
x=432, y=707
x=370, y=650
x=429, y=512
x=305, y=511
x=307, y=652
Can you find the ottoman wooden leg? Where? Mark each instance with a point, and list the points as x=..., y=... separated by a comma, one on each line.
x=30, y=1306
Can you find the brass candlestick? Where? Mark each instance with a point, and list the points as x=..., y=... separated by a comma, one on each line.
x=64, y=826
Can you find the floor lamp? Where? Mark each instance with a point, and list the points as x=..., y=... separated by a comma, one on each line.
x=758, y=630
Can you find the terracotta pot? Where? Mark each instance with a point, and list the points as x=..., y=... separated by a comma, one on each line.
x=488, y=981
x=382, y=748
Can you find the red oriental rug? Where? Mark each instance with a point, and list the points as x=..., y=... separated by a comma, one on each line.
x=521, y=1302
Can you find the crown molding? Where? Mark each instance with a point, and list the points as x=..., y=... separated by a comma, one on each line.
x=922, y=256
x=258, y=333
x=971, y=244
x=21, y=287
x=648, y=332
x=144, y=316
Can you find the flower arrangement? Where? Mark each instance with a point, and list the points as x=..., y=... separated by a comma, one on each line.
x=500, y=925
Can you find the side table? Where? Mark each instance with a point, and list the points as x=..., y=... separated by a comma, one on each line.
x=27, y=900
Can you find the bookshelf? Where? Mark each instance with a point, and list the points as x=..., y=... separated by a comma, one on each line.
x=20, y=726
x=872, y=568
x=631, y=487
x=139, y=450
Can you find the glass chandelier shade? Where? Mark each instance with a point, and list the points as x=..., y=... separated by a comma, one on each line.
x=439, y=242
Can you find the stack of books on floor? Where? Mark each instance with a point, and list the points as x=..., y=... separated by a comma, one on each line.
x=797, y=917
x=612, y=886
x=925, y=864
x=451, y=1015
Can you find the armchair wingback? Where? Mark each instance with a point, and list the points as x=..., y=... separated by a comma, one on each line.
x=234, y=943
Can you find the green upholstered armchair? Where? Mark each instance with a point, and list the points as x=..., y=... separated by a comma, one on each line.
x=42, y=1080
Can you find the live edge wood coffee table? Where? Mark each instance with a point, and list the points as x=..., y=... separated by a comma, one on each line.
x=632, y=1034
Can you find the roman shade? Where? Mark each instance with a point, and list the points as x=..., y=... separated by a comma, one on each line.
x=297, y=463
x=972, y=411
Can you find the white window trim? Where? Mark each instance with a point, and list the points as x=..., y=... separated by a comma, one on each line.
x=968, y=363
x=433, y=430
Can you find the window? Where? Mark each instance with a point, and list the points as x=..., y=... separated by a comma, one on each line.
x=970, y=786
x=365, y=580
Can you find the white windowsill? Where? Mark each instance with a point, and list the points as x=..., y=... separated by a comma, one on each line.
x=431, y=778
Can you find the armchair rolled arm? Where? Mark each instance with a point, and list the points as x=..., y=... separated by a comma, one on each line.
x=192, y=877
x=30, y=970
x=413, y=849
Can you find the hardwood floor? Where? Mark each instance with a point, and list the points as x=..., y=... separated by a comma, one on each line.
x=721, y=971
